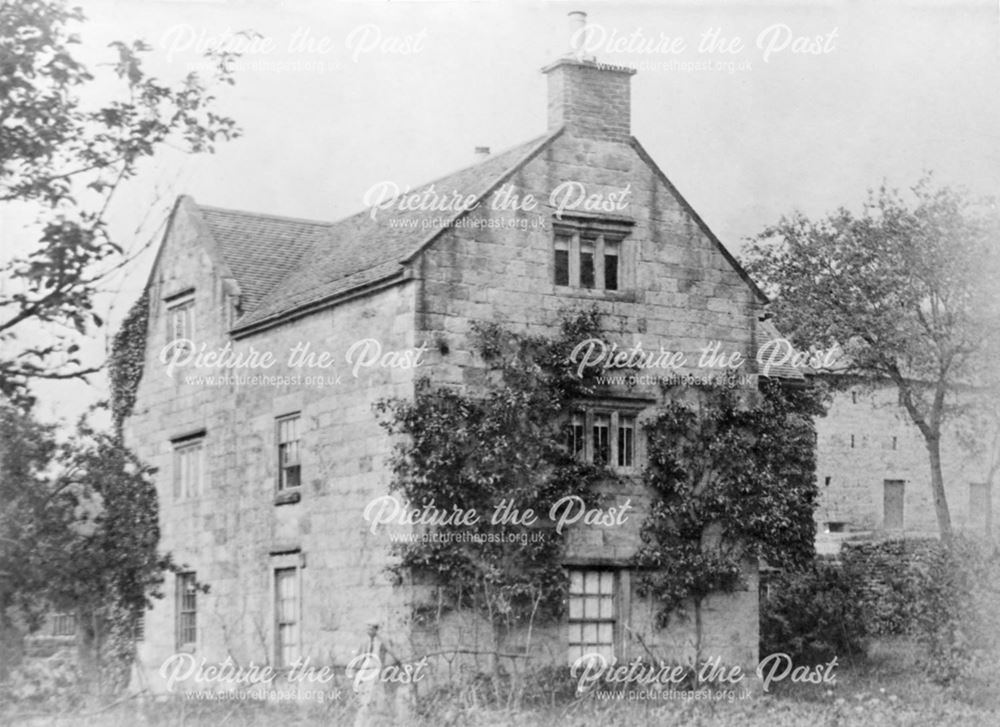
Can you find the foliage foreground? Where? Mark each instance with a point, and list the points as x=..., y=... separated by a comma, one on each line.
x=889, y=687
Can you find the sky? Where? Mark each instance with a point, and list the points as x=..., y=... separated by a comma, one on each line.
x=752, y=109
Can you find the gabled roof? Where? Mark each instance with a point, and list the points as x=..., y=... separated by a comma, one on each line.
x=287, y=267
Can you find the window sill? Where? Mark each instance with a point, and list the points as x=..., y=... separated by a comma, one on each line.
x=287, y=497
x=626, y=296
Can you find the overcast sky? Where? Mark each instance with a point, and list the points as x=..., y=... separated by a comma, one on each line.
x=345, y=95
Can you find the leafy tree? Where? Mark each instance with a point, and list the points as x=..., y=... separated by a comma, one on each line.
x=907, y=288
x=67, y=158
x=735, y=481
x=80, y=535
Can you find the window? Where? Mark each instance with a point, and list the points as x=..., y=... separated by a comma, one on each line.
x=188, y=468
x=187, y=611
x=286, y=610
x=64, y=624
x=139, y=628
x=562, y=244
x=591, y=613
x=588, y=256
x=588, y=247
x=576, y=437
x=980, y=506
x=612, y=439
x=893, y=504
x=852, y=441
x=289, y=472
x=611, y=264
x=626, y=440
x=180, y=318
x=602, y=439
x=894, y=442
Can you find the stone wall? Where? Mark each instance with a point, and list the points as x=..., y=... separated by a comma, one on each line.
x=235, y=534
x=867, y=438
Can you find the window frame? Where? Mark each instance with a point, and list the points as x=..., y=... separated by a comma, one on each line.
x=576, y=649
x=186, y=588
x=608, y=238
x=183, y=304
x=287, y=618
x=64, y=624
x=183, y=447
x=281, y=484
x=615, y=413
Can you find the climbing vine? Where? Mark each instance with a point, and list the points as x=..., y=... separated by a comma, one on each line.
x=734, y=477
x=128, y=354
x=475, y=452
x=730, y=472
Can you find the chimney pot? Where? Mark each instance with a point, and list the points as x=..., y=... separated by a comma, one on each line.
x=577, y=33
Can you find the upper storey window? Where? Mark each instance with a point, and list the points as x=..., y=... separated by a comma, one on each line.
x=180, y=318
x=588, y=255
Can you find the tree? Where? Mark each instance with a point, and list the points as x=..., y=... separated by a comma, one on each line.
x=67, y=158
x=907, y=288
x=79, y=534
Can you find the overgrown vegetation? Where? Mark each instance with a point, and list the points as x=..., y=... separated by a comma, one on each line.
x=731, y=473
x=125, y=364
x=815, y=613
x=80, y=535
x=474, y=452
x=734, y=475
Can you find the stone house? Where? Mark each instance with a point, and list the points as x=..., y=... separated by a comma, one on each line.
x=264, y=471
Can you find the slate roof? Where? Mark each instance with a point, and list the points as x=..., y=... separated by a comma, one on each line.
x=283, y=265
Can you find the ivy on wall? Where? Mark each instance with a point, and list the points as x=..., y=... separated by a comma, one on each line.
x=125, y=365
x=734, y=477
x=731, y=474
x=473, y=452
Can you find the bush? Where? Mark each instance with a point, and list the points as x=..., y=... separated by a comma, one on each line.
x=813, y=614
x=943, y=597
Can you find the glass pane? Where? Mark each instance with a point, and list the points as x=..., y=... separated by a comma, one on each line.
x=602, y=445
x=586, y=269
x=592, y=579
x=605, y=633
x=607, y=652
x=562, y=267
x=590, y=607
x=576, y=581
x=575, y=652
x=590, y=633
x=576, y=633
x=575, y=607
x=607, y=582
x=610, y=269
x=607, y=609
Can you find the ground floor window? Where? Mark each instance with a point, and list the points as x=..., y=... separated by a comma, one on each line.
x=592, y=613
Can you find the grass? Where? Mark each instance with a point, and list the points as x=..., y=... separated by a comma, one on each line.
x=890, y=687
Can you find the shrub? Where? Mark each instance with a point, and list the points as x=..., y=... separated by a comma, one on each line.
x=814, y=613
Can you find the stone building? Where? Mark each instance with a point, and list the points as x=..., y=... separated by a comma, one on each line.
x=874, y=474
x=264, y=473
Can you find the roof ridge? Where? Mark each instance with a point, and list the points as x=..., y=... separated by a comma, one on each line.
x=337, y=221
x=284, y=218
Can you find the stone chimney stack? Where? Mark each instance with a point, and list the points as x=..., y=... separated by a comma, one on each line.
x=590, y=99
